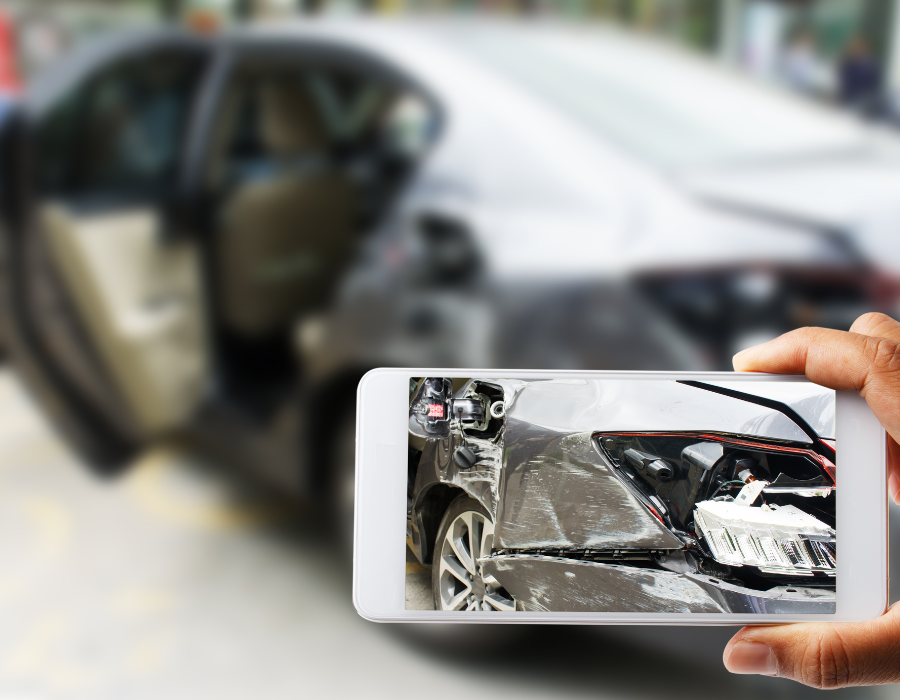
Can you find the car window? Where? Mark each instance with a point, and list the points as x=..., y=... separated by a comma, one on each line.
x=360, y=109
x=360, y=116
x=121, y=133
x=348, y=102
x=251, y=124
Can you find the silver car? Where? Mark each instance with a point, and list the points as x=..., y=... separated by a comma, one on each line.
x=217, y=236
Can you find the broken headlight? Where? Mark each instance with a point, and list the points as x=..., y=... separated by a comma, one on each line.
x=777, y=539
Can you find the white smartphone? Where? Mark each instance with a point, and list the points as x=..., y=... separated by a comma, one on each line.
x=603, y=497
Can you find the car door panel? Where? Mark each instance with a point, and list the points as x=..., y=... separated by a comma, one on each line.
x=105, y=312
x=141, y=301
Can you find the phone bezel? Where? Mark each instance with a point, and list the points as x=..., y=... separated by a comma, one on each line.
x=379, y=564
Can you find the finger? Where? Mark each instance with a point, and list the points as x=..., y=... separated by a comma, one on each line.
x=877, y=325
x=893, y=455
x=883, y=326
x=838, y=360
x=821, y=655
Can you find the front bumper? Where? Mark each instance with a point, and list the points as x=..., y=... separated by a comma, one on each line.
x=554, y=584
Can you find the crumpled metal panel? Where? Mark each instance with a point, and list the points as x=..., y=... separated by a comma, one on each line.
x=813, y=403
x=482, y=479
x=580, y=405
x=557, y=492
x=541, y=583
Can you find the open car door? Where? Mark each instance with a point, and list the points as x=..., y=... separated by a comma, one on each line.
x=103, y=314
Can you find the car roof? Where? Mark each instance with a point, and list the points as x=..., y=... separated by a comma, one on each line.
x=414, y=42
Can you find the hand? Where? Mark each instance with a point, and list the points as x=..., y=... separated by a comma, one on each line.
x=833, y=655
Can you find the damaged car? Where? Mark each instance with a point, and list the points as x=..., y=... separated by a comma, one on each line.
x=611, y=495
x=212, y=238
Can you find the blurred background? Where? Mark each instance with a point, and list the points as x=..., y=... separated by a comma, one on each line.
x=216, y=215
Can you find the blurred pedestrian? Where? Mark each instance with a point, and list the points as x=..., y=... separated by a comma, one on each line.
x=859, y=76
x=42, y=41
x=823, y=655
x=803, y=67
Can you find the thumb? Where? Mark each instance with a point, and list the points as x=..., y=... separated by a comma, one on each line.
x=821, y=654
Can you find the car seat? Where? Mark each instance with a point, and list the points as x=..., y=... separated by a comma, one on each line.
x=288, y=225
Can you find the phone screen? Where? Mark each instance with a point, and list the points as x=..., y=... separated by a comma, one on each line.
x=615, y=495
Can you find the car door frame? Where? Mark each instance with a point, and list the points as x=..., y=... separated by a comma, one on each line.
x=237, y=50
x=105, y=447
x=303, y=51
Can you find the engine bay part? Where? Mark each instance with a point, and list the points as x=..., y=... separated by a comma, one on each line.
x=469, y=409
x=689, y=468
x=430, y=408
x=750, y=492
x=801, y=487
x=744, y=509
x=777, y=539
x=703, y=454
x=654, y=466
x=433, y=409
x=481, y=410
x=464, y=457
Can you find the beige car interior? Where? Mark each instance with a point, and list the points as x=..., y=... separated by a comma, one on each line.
x=286, y=225
x=142, y=302
x=138, y=295
x=285, y=231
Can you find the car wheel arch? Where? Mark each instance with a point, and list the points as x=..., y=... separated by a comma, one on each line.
x=428, y=511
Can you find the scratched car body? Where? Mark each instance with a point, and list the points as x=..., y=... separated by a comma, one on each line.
x=623, y=495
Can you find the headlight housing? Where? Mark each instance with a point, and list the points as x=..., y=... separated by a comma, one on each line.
x=779, y=540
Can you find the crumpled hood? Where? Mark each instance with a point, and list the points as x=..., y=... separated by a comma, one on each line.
x=813, y=403
x=581, y=405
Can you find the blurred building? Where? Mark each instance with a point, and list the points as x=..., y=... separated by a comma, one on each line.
x=760, y=37
x=757, y=36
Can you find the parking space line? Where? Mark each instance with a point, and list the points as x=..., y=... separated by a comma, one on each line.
x=147, y=482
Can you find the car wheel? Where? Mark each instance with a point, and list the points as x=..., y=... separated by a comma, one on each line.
x=458, y=581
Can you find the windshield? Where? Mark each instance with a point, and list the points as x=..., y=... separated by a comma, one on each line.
x=654, y=101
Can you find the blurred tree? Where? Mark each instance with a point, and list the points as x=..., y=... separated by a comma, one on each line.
x=171, y=9
x=243, y=9
x=311, y=6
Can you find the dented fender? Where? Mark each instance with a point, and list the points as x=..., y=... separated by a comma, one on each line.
x=558, y=492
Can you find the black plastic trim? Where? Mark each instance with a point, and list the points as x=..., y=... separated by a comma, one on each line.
x=782, y=408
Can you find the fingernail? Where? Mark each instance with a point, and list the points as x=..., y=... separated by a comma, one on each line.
x=742, y=353
x=893, y=487
x=736, y=360
x=751, y=657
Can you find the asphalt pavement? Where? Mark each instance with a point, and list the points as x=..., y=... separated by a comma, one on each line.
x=418, y=584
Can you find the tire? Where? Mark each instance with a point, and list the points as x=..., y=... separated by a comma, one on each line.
x=457, y=580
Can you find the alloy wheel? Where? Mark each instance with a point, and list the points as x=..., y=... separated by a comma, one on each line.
x=463, y=583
